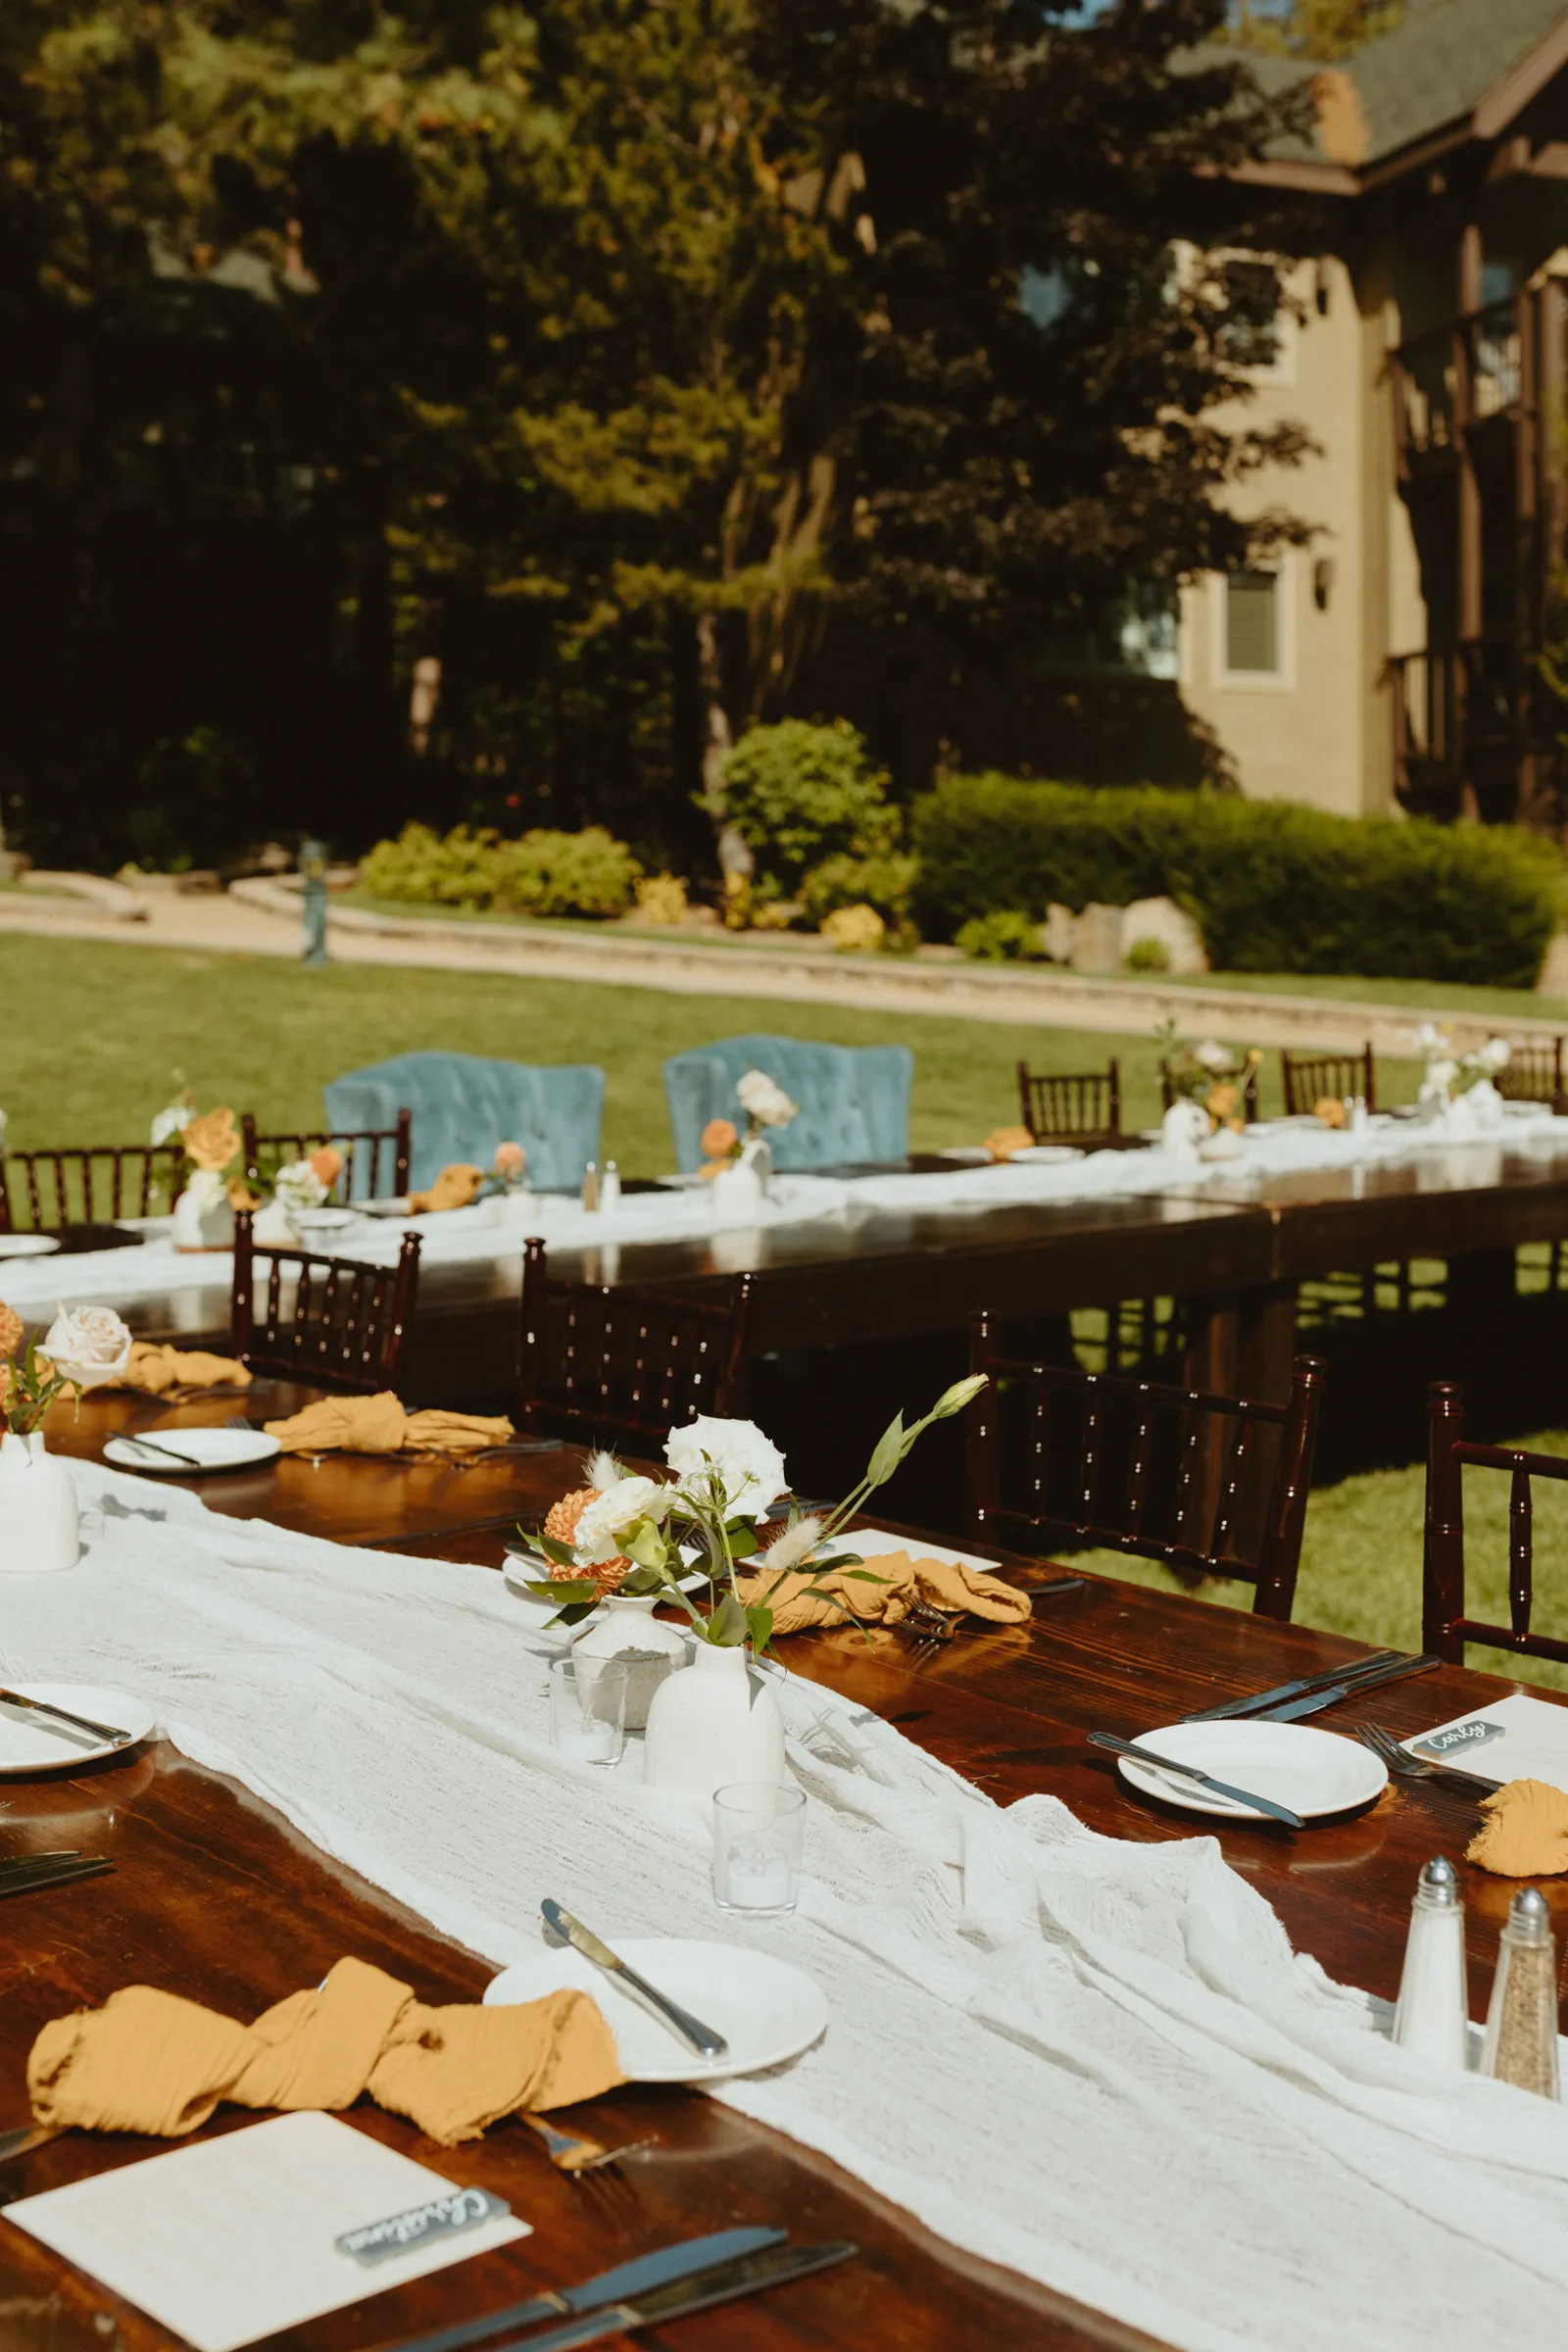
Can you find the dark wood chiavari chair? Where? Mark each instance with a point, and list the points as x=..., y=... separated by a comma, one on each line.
x=1314, y=1078
x=45, y=1192
x=338, y=1324
x=1533, y=1073
x=1444, y=1627
x=376, y=1159
x=1246, y=1079
x=624, y=1365
x=1167, y=1474
x=1079, y=1109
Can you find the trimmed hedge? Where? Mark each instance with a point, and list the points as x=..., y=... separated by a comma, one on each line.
x=1273, y=887
x=544, y=873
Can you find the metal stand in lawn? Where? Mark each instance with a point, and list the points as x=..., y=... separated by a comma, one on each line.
x=313, y=865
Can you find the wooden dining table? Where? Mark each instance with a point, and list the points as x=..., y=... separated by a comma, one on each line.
x=216, y=1896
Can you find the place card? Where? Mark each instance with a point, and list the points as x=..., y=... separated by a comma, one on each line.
x=1523, y=1739
x=234, y=2238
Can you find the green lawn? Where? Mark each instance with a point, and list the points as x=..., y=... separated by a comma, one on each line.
x=1425, y=995
x=1361, y=1562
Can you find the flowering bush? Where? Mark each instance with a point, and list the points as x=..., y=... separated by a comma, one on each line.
x=855, y=930
x=1006, y=936
x=545, y=873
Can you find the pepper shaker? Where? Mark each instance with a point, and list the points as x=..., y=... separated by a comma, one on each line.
x=590, y=1185
x=1521, y=2045
x=1434, y=2012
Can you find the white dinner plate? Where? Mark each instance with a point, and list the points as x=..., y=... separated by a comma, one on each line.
x=307, y=1221
x=208, y=1448
x=28, y=1245
x=766, y=2010
x=968, y=1156
x=1045, y=1156
x=31, y=1744
x=1314, y=1773
x=394, y=1204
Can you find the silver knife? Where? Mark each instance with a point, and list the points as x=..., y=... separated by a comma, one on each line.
x=1348, y=1687
x=30, y=2136
x=187, y=1461
x=775, y=2265
x=1206, y=1780
x=79, y=1723
x=692, y=2031
x=53, y=1874
x=619, y=2286
x=1254, y=1700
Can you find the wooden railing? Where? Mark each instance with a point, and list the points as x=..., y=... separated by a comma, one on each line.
x=1461, y=375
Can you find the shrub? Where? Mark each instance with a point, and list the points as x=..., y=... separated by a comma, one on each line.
x=544, y=873
x=1148, y=956
x=1272, y=887
x=799, y=793
x=885, y=882
x=662, y=899
x=855, y=930
x=1006, y=936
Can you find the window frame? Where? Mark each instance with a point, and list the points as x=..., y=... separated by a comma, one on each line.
x=1280, y=680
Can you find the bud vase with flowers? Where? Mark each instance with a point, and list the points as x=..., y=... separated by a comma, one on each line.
x=82, y=1350
x=678, y=1542
x=215, y=1184
x=739, y=1166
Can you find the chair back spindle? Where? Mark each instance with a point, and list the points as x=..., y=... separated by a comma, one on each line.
x=1446, y=1625
x=605, y=1363
x=1314, y=1078
x=1077, y=1108
x=1171, y=1473
x=1533, y=1073
x=340, y=1324
x=45, y=1192
x=376, y=1159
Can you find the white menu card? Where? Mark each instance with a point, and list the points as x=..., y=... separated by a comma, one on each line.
x=233, y=2238
x=1533, y=1745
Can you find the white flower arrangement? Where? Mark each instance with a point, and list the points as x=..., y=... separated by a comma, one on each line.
x=765, y=1101
x=87, y=1345
x=298, y=1186
x=1448, y=1074
x=728, y=1474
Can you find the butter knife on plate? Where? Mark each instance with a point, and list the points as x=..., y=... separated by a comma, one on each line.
x=692, y=2031
x=1205, y=1780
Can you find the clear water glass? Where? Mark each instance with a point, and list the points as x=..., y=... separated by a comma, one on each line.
x=758, y=1836
x=588, y=1708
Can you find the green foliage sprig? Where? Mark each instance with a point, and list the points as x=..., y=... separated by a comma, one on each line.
x=544, y=873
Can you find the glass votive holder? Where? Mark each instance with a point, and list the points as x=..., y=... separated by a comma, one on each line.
x=588, y=1708
x=758, y=1834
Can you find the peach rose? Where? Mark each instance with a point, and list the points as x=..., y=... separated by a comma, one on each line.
x=719, y=1138
x=510, y=1160
x=561, y=1526
x=11, y=1330
x=212, y=1140
x=326, y=1165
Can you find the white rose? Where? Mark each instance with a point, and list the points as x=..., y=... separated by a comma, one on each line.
x=298, y=1186
x=1497, y=1055
x=615, y=1509
x=764, y=1099
x=1214, y=1055
x=172, y=1121
x=750, y=1465
x=1442, y=1073
x=88, y=1344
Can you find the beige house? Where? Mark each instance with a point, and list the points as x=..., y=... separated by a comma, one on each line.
x=1395, y=661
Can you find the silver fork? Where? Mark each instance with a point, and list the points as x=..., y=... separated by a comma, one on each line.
x=588, y=2161
x=926, y=1629
x=1406, y=1767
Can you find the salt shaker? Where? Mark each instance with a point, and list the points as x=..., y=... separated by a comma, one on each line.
x=609, y=1188
x=1521, y=2045
x=1432, y=2015
x=590, y=1185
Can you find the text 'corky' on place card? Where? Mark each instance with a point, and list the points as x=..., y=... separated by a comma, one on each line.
x=1516, y=1738
x=233, y=2238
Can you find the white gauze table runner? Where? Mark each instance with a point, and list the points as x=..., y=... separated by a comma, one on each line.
x=1096, y=2061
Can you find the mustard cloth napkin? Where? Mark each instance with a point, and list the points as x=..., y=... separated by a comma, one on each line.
x=457, y=1185
x=379, y=1425
x=945, y=1584
x=157, y=1369
x=1525, y=1835
x=148, y=2061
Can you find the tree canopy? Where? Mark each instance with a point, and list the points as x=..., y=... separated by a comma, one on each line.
x=607, y=357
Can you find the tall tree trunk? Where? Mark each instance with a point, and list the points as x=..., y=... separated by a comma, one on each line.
x=718, y=739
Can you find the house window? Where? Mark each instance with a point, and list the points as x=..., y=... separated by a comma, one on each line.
x=1251, y=626
x=1252, y=622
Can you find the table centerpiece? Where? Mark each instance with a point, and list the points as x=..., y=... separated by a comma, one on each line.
x=648, y=1540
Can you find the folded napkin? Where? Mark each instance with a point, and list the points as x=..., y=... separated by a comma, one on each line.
x=1004, y=1142
x=379, y=1425
x=1525, y=1835
x=455, y=1187
x=945, y=1584
x=148, y=2061
x=157, y=1369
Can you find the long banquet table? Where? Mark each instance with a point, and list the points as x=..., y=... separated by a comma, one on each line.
x=216, y=1897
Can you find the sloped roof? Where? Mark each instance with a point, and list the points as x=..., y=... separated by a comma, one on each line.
x=1452, y=66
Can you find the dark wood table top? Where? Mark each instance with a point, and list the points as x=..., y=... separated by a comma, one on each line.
x=886, y=1273
x=218, y=1899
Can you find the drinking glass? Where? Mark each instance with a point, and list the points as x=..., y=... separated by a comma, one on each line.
x=588, y=1708
x=758, y=1832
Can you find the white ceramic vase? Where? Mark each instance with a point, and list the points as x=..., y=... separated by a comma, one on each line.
x=710, y=1723
x=37, y=1507
x=1182, y=1132
x=627, y=1627
x=741, y=1189
x=202, y=1228
x=270, y=1224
